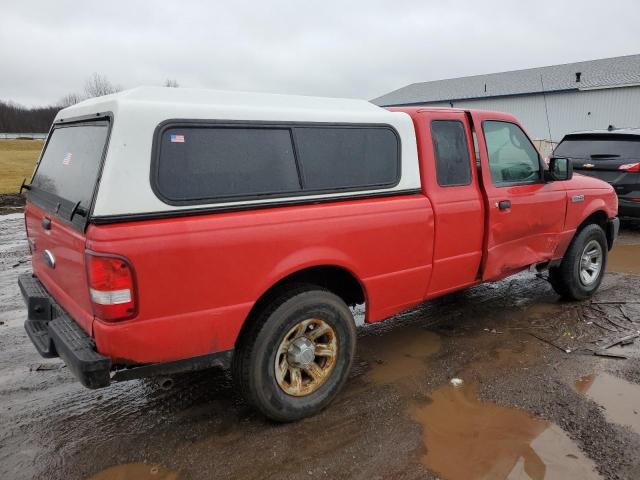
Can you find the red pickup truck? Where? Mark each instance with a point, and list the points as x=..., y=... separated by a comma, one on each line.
x=176, y=229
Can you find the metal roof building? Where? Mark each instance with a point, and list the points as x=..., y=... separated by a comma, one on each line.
x=549, y=101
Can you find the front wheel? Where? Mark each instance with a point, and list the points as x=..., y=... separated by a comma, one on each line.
x=582, y=268
x=296, y=354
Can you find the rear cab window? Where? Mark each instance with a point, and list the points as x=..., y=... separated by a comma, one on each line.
x=65, y=179
x=451, y=150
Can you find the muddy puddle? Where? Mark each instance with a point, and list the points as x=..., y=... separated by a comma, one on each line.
x=399, y=354
x=624, y=259
x=540, y=315
x=619, y=398
x=136, y=471
x=466, y=439
x=543, y=310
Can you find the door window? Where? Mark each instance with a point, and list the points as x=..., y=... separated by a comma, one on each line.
x=512, y=157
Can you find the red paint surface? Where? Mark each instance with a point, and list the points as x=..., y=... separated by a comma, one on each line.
x=67, y=282
x=199, y=276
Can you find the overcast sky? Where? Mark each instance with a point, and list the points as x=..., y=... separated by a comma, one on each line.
x=357, y=49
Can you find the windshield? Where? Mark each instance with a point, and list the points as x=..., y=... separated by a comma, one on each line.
x=71, y=161
x=594, y=147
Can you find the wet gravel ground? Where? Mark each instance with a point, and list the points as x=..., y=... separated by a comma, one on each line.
x=525, y=358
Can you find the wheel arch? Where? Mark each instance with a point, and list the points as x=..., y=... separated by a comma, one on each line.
x=334, y=278
x=599, y=217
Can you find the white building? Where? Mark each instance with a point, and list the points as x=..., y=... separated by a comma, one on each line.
x=549, y=101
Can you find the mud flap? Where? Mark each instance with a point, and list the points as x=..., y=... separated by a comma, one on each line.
x=613, y=227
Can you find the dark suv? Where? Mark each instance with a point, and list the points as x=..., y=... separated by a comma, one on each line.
x=612, y=155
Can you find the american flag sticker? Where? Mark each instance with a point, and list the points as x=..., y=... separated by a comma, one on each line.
x=175, y=138
x=66, y=160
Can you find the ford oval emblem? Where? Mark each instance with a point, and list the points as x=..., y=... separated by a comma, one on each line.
x=49, y=258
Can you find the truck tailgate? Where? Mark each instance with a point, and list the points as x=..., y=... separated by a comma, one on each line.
x=58, y=262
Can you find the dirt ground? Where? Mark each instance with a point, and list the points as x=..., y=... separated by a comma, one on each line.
x=535, y=401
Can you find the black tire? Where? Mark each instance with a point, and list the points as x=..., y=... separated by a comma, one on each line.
x=565, y=279
x=255, y=355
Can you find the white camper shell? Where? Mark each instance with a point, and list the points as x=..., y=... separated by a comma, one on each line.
x=143, y=120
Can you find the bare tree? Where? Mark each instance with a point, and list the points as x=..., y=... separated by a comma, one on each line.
x=171, y=82
x=19, y=119
x=97, y=85
x=70, y=99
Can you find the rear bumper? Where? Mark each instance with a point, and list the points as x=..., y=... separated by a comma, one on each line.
x=628, y=209
x=54, y=334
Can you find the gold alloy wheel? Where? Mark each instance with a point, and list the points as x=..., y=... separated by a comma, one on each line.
x=306, y=357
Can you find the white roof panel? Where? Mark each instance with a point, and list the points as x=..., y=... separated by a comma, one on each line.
x=217, y=100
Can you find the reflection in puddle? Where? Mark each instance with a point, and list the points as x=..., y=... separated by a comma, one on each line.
x=135, y=471
x=399, y=353
x=620, y=399
x=469, y=439
x=624, y=259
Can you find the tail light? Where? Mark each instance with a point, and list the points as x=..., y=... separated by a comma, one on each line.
x=111, y=286
x=630, y=167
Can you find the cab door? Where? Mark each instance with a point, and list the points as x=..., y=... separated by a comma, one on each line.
x=450, y=180
x=524, y=214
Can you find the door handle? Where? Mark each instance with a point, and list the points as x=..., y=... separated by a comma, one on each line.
x=46, y=223
x=504, y=204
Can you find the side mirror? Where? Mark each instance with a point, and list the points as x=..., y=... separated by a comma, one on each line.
x=560, y=168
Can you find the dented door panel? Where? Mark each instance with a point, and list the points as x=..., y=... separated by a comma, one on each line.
x=524, y=220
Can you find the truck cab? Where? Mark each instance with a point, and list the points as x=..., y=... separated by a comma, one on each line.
x=177, y=229
x=492, y=193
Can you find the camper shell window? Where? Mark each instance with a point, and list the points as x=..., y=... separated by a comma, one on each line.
x=198, y=163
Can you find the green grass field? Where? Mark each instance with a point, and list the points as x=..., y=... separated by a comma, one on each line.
x=17, y=159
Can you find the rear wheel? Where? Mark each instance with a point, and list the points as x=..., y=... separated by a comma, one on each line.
x=296, y=354
x=582, y=268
